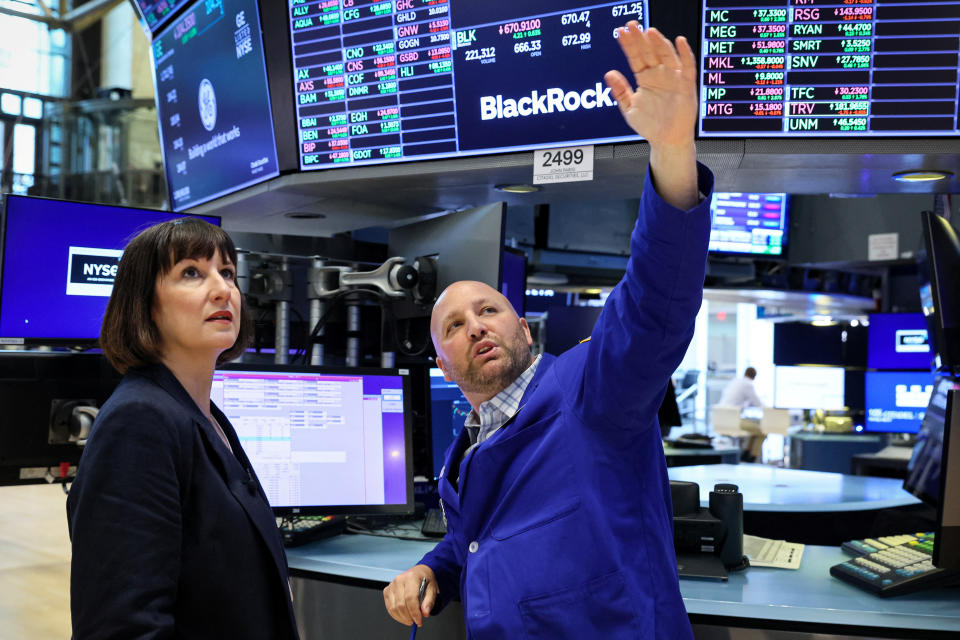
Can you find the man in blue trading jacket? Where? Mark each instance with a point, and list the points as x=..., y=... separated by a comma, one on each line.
x=556, y=496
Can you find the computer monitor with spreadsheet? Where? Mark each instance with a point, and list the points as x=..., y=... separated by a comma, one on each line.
x=323, y=440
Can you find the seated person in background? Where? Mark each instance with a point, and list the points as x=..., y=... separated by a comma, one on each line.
x=556, y=495
x=172, y=534
x=742, y=393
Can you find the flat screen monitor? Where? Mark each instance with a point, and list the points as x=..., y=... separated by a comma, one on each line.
x=748, y=223
x=933, y=473
x=156, y=13
x=898, y=341
x=839, y=69
x=323, y=441
x=808, y=388
x=513, y=283
x=59, y=262
x=939, y=270
x=448, y=410
x=213, y=104
x=468, y=245
x=896, y=400
x=798, y=343
x=383, y=82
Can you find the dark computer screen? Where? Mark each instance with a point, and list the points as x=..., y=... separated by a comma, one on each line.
x=323, y=441
x=749, y=223
x=448, y=409
x=939, y=270
x=416, y=79
x=213, y=104
x=59, y=262
x=933, y=473
x=898, y=341
x=843, y=69
x=796, y=343
x=513, y=283
x=923, y=471
x=896, y=400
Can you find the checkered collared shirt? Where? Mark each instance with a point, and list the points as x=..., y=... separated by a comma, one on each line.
x=493, y=413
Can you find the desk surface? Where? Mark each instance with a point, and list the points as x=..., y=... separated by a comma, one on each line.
x=767, y=488
x=807, y=595
x=693, y=451
x=813, y=436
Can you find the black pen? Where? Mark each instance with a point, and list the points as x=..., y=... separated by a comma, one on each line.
x=423, y=590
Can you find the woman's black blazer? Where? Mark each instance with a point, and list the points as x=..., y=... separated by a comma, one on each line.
x=172, y=534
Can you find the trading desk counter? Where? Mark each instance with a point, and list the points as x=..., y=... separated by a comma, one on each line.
x=813, y=507
x=338, y=583
x=767, y=488
x=686, y=456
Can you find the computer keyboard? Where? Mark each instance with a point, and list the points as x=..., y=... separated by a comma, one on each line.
x=304, y=529
x=433, y=524
x=892, y=565
x=923, y=541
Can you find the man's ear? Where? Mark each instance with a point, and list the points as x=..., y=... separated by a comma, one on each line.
x=526, y=330
x=446, y=376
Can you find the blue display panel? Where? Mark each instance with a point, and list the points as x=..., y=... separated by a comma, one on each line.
x=59, y=262
x=897, y=400
x=415, y=79
x=448, y=410
x=848, y=68
x=156, y=13
x=898, y=341
x=213, y=104
x=748, y=223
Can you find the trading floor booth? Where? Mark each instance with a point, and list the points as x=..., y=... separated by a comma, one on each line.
x=305, y=127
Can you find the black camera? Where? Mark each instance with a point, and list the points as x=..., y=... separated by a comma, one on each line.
x=708, y=542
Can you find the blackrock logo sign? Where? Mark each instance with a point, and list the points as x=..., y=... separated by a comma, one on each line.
x=554, y=100
x=91, y=272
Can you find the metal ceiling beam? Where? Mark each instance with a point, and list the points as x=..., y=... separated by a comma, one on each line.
x=74, y=20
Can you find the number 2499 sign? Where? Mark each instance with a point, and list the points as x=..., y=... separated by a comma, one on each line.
x=567, y=164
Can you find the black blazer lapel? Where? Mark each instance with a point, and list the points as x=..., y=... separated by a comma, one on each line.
x=247, y=490
x=235, y=468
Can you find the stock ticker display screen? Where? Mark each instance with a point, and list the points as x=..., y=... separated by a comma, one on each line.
x=829, y=68
x=750, y=223
x=155, y=13
x=416, y=79
x=213, y=104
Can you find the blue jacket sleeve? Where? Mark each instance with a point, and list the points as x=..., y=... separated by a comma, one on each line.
x=446, y=568
x=124, y=515
x=647, y=321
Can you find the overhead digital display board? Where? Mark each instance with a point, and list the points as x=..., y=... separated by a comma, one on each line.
x=850, y=68
x=416, y=79
x=213, y=104
x=155, y=13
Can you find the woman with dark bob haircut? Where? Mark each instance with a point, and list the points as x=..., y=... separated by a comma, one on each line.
x=172, y=534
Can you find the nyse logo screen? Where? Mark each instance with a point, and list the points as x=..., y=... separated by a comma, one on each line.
x=91, y=271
